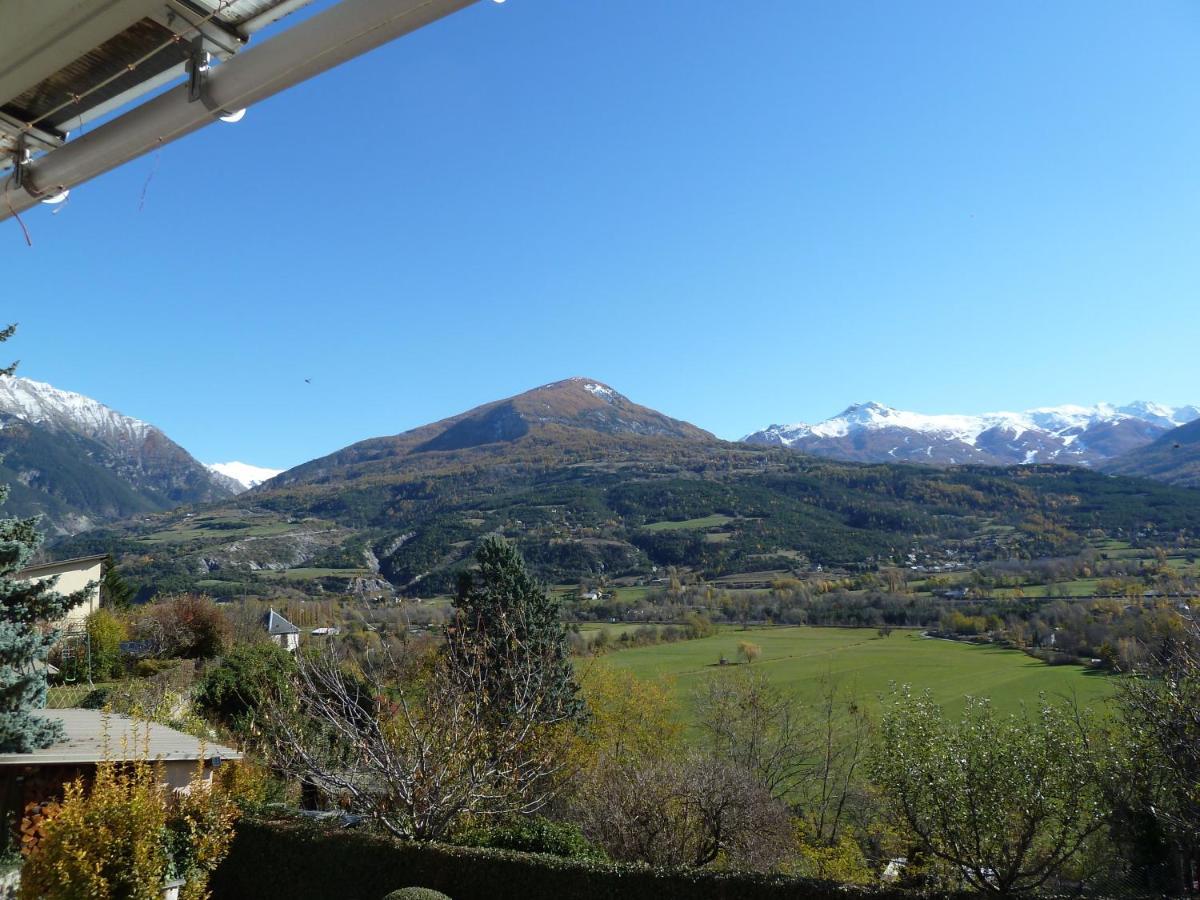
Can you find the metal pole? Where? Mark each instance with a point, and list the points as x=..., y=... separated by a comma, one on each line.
x=317, y=45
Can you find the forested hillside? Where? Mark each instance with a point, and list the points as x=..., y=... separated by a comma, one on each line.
x=590, y=484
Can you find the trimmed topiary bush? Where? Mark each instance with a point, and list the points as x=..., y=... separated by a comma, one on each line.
x=416, y=893
x=532, y=835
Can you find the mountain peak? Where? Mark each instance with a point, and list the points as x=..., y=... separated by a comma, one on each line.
x=43, y=404
x=576, y=383
x=78, y=462
x=874, y=432
x=580, y=416
x=575, y=403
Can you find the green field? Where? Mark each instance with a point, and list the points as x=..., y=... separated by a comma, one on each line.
x=690, y=524
x=303, y=574
x=799, y=659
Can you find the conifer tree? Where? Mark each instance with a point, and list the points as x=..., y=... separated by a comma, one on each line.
x=115, y=591
x=508, y=625
x=26, y=608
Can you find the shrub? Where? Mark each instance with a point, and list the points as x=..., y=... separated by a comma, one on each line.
x=121, y=836
x=232, y=692
x=103, y=842
x=312, y=862
x=105, y=632
x=188, y=625
x=96, y=699
x=532, y=835
x=148, y=668
x=416, y=893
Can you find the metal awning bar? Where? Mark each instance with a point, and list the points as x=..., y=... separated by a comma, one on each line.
x=220, y=39
x=347, y=30
x=41, y=36
x=35, y=138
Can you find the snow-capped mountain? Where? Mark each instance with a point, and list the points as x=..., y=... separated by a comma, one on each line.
x=44, y=404
x=1084, y=435
x=242, y=476
x=77, y=462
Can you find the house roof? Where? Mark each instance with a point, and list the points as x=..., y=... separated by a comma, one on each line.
x=93, y=735
x=78, y=562
x=277, y=624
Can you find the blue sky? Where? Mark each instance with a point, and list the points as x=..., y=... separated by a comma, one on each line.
x=736, y=213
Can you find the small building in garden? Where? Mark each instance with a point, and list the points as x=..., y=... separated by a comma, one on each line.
x=281, y=631
x=94, y=736
x=73, y=575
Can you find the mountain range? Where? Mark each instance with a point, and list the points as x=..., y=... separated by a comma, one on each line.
x=76, y=462
x=1082, y=435
x=589, y=483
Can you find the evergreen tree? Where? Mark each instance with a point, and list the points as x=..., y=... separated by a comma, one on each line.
x=5, y=334
x=115, y=591
x=508, y=626
x=25, y=608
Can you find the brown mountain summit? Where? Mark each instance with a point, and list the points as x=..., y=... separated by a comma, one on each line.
x=576, y=413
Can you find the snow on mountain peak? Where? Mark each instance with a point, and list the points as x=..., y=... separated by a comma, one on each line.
x=40, y=403
x=598, y=390
x=1035, y=435
x=246, y=475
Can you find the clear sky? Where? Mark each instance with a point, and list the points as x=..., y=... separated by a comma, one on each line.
x=737, y=213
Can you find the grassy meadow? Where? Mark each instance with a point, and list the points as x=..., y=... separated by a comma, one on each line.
x=800, y=659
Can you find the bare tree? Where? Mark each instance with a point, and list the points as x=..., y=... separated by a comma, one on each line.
x=749, y=723
x=842, y=735
x=683, y=810
x=810, y=757
x=416, y=746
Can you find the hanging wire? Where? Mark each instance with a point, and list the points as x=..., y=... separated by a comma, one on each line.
x=149, y=178
x=16, y=215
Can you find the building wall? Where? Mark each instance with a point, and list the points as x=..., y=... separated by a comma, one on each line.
x=71, y=578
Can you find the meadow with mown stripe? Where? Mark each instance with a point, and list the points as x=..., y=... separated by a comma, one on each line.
x=802, y=660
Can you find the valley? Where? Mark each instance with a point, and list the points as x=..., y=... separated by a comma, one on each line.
x=863, y=665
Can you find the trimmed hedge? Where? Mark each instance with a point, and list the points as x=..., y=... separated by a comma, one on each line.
x=307, y=861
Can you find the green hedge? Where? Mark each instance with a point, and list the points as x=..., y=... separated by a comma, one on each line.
x=306, y=861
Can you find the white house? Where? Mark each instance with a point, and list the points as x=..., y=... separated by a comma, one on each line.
x=281, y=631
x=73, y=575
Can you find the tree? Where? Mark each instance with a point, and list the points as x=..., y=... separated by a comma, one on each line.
x=105, y=633
x=684, y=809
x=26, y=607
x=1158, y=749
x=190, y=626
x=507, y=627
x=749, y=724
x=420, y=747
x=5, y=334
x=115, y=592
x=748, y=651
x=1005, y=801
x=627, y=715
x=233, y=692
